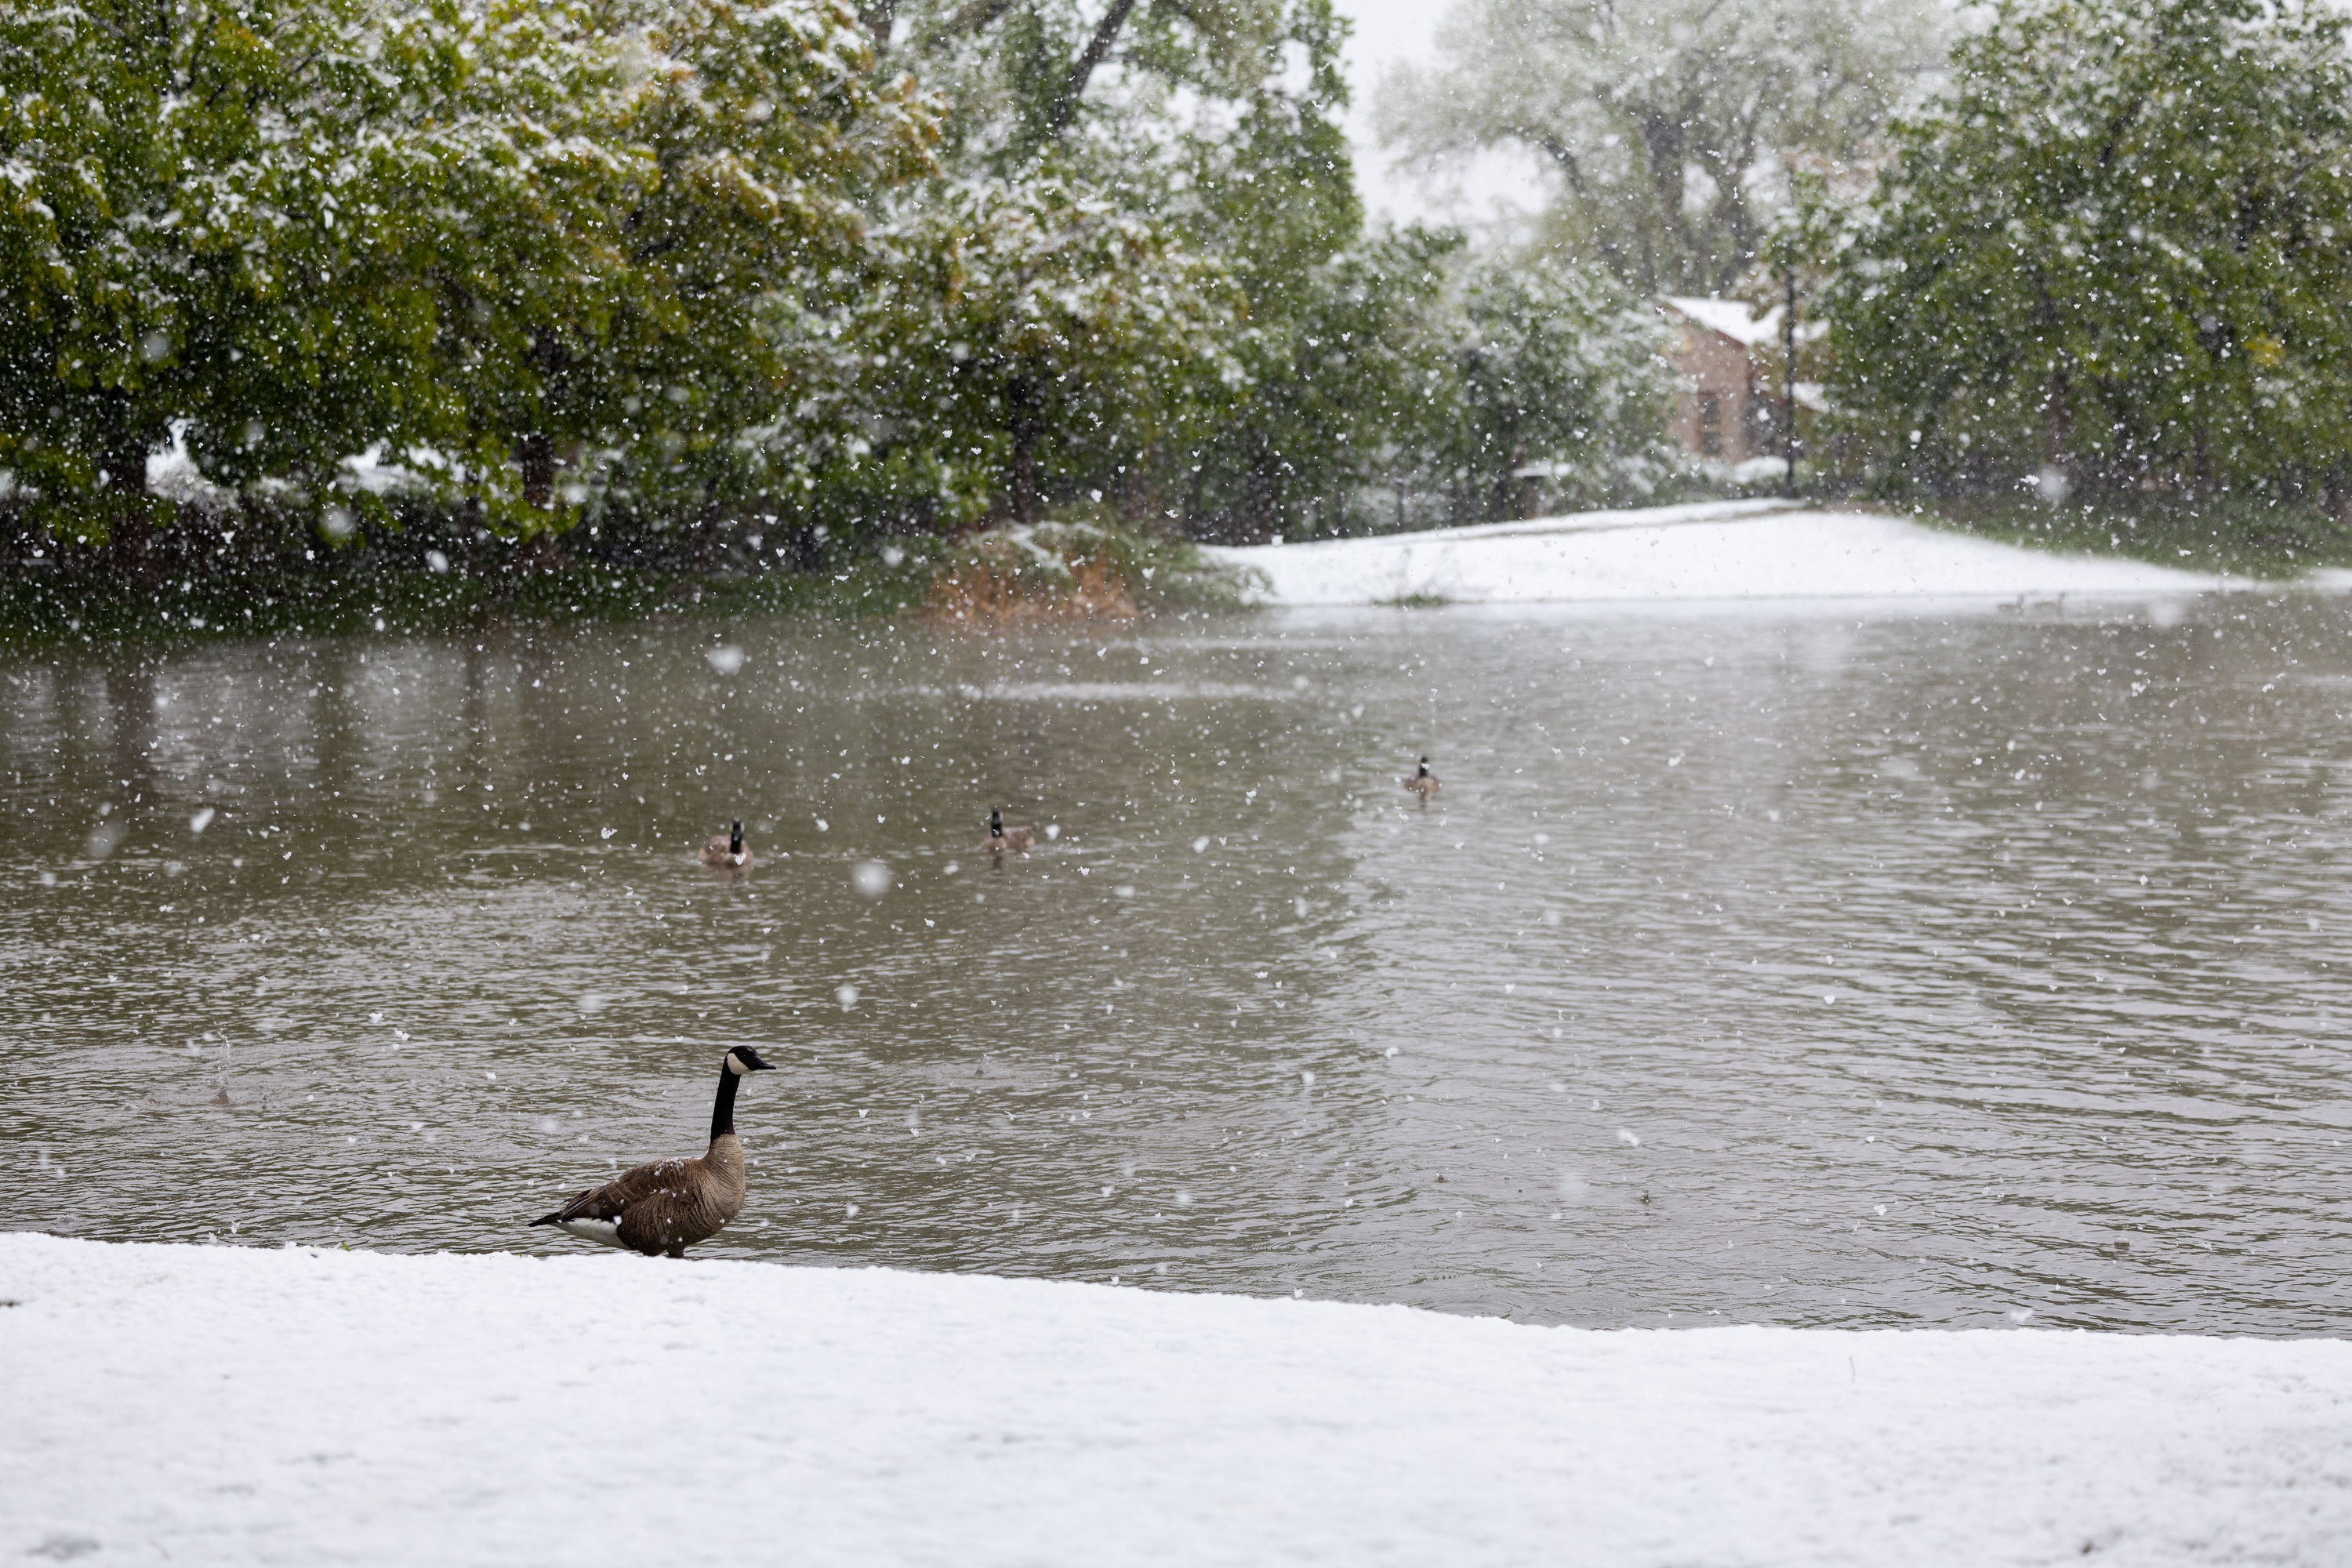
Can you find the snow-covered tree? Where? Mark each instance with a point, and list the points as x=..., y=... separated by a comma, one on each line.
x=1343, y=386
x=197, y=204
x=1035, y=339
x=1553, y=368
x=1123, y=77
x=749, y=144
x=1210, y=123
x=1665, y=123
x=2119, y=247
x=466, y=233
x=696, y=262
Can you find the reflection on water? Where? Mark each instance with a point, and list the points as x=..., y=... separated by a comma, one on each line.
x=1819, y=964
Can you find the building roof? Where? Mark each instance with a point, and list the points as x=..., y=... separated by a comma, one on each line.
x=1731, y=319
x=1729, y=316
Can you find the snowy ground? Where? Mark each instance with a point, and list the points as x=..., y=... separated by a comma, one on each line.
x=1722, y=550
x=209, y=1405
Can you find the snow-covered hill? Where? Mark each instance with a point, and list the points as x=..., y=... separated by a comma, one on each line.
x=1732, y=549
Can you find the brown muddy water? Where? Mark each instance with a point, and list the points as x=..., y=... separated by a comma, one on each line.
x=1806, y=964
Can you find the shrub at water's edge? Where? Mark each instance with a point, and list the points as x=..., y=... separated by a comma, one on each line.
x=1074, y=568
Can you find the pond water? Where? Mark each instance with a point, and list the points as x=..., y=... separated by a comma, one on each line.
x=1808, y=964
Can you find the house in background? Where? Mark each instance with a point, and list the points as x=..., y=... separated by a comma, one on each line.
x=1728, y=405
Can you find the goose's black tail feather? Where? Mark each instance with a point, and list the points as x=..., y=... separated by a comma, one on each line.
x=548, y=1218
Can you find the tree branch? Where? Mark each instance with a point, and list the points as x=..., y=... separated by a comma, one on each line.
x=1555, y=148
x=1065, y=103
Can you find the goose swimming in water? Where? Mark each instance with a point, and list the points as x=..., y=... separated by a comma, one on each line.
x=1003, y=839
x=1423, y=783
x=664, y=1208
x=728, y=851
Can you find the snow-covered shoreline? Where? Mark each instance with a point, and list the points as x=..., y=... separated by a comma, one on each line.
x=219, y=1405
x=1723, y=550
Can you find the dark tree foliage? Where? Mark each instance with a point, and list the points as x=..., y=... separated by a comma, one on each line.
x=483, y=241
x=1344, y=388
x=1559, y=394
x=2117, y=251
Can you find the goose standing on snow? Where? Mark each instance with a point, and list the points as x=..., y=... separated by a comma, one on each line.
x=1423, y=783
x=664, y=1208
x=730, y=851
x=1003, y=839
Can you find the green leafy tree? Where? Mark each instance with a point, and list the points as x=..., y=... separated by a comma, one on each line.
x=1035, y=342
x=1346, y=384
x=2115, y=251
x=699, y=310
x=181, y=242
x=1272, y=194
x=1433, y=385
x=473, y=237
x=1189, y=121
x=1558, y=393
x=1027, y=77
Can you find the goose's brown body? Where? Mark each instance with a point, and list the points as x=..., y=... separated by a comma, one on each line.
x=1423, y=783
x=663, y=1208
x=1003, y=840
x=729, y=850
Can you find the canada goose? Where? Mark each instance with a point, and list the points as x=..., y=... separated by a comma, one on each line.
x=664, y=1208
x=1423, y=783
x=730, y=850
x=1002, y=839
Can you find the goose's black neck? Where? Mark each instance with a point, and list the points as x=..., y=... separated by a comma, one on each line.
x=735, y=839
x=722, y=1115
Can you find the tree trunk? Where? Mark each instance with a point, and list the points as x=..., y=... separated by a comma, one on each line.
x=130, y=532
x=1026, y=425
x=535, y=450
x=537, y=454
x=1664, y=142
x=1503, y=491
x=1262, y=488
x=2057, y=422
x=807, y=551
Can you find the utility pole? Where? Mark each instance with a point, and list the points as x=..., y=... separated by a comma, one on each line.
x=1789, y=380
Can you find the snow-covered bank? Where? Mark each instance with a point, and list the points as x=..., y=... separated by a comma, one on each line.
x=1733, y=550
x=221, y=1404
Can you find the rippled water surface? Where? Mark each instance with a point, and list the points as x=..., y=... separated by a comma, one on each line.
x=1808, y=964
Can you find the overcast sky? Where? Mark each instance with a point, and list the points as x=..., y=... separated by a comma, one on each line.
x=1388, y=32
